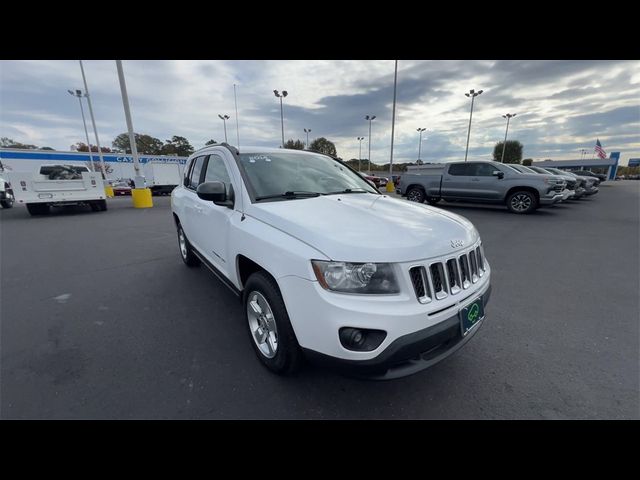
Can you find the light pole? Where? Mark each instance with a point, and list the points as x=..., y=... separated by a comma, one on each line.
x=508, y=116
x=582, y=151
x=235, y=97
x=360, y=152
x=307, y=132
x=78, y=93
x=420, y=144
x=284, y=94
x=473, y=94
x=224, y=118
x=93, y=122
x=390, y=186
x=370, y=119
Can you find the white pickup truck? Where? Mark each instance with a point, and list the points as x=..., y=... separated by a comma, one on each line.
x=58, y=185
x=296, y=235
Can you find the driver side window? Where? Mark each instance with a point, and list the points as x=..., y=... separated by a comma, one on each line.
x=217, y=171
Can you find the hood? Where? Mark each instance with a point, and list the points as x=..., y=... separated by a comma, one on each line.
x=540, y=176
x=368, y=227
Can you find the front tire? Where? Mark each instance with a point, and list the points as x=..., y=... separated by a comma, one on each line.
x=416, y=194
x=522, y=202
x=186, y=251
x=268, y=325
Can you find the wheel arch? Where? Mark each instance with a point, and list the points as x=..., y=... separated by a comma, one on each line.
x=245, y=267
x=512, y=190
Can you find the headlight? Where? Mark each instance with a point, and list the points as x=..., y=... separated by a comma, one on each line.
x=364, y=278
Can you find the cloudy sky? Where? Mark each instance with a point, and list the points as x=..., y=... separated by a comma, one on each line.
x=561, y=106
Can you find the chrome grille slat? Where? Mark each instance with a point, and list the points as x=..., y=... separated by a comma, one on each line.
x=453, y=276
x=436, y=272
x=464, y=271
x=473, y=262
x=420, y=284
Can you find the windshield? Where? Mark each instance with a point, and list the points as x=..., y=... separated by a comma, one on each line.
x=279, y=173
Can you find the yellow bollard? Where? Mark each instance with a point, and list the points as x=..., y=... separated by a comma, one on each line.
x=108, y=191
x=391, y=187
x=141, y=197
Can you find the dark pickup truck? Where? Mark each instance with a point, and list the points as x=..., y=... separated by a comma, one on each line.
x=482, y=182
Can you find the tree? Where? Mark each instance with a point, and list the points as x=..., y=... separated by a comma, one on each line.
x=98, y=167
x=210, y=142
x=297, y=145
x=178, y=146
x=145, y=144
x=10, y=143
x=82, y=147
x=512, y=154
x=322, y=145
x=526, y=162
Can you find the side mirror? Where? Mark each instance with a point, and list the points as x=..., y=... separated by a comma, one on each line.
x=215, y=192
x=498, y=173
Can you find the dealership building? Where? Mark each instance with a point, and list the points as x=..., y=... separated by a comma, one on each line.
x=607, y=165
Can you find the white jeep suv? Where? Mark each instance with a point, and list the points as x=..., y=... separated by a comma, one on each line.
x=296, y=235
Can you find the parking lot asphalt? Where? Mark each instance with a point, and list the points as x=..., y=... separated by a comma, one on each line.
x=100, y=319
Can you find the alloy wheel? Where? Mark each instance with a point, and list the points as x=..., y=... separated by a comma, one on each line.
x=262, y=324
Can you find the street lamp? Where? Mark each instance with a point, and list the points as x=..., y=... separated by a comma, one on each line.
x=370, y=119
x=583, y=151
x=93, y=122
x=473, y=94
x=78, y=93
x=307, y=132
x=284, y=94
x=508, y=116
x=360, y=152
x=224, y=118
x=420, y=144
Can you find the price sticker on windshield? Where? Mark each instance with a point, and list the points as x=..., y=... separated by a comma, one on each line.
x=259, y=157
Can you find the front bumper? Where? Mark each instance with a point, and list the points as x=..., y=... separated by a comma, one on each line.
x=417, y=335
x=550, y=199
x=592, y=191
x=410, y=353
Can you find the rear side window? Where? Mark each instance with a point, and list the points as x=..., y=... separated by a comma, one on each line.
x=484, y=169
x=459, y=169
x=194, y=175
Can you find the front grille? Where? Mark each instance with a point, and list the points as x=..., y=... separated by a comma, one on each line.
x=558, y=188
x=441, y=279
x=571, y=185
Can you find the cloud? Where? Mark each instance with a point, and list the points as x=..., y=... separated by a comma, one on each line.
x=561, y=106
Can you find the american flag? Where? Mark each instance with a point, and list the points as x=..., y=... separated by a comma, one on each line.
x=599, y=150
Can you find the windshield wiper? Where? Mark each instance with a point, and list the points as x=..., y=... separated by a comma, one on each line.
x=291, y=194
x=350, y=190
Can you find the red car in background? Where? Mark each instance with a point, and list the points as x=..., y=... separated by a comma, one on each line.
x=121, y=188
x=377, y=181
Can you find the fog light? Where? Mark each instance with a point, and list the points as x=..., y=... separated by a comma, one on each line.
x=362, y=340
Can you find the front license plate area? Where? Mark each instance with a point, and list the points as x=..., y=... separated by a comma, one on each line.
x=471, y=315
